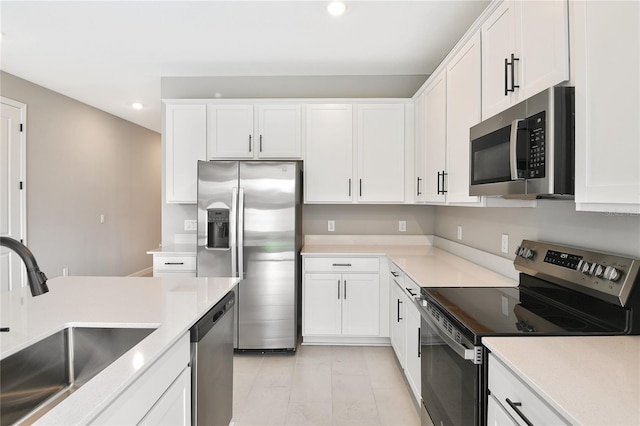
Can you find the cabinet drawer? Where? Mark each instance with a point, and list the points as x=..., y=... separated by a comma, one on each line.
x=505, y=385
x=174, y=263
x=342, y=264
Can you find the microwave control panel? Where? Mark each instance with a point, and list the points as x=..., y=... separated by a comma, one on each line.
x=536, y=125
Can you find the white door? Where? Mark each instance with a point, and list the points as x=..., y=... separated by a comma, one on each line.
x=381, y=153
x=12, y=197
x=279, y=131
x=412, y=348
x=230, y=131
x=463, y=111
x=435, y=138
x=498, y=43
x=322, y=304
x=361, y=305
x=328, y=164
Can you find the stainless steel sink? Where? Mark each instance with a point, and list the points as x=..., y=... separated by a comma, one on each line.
x=35, y=379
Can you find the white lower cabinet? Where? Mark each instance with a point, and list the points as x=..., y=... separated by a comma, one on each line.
x=405, y=328
x=161, y=395
x=174, y=406
x=513, y=402
x=342, y=301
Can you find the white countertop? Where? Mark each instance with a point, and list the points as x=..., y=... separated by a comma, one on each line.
x=175, y=249
x=172, y=305
x=593, y=380
x=428, y=266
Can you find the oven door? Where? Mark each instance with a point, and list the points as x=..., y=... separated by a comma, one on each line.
x=451, y=374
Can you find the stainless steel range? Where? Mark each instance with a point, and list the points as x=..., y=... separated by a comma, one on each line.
x=562, y=291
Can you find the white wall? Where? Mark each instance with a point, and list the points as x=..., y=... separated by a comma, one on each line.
x=81, y=163
x=553, y=221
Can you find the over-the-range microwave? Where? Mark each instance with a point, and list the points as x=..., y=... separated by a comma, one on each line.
x=527, y=151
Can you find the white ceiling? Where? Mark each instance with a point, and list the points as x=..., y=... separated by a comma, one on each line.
x=109, y=54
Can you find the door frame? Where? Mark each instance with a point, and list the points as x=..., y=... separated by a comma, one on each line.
x=23, y=170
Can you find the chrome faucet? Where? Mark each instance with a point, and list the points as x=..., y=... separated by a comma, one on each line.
x=37, y=279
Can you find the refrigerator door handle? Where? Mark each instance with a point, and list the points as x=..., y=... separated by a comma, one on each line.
x=233, y=237
x=241, y=233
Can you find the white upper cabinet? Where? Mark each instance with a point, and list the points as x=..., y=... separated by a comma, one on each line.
x=525, y=49
x=279, y=131
x=419, y=148
x=463, y=111
x=254, y=131
x=230, y=131
x=328, y=167
x=435, y=111
x=381, y=153
x=606, y=59
x=355, y=158
x=185, y=143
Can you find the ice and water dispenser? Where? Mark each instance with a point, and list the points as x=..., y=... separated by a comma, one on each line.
x=218, y=228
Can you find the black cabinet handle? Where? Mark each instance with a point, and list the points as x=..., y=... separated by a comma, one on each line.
x=419, y=343
x=398, y=316
x=361, y=187
x=260, y=143
x=338, y=289
x=341, y=264
x=511, y=64
x=410, y=291
x=418, y=185
x=174, y=263
x=441, y=175
x=250, y=143
x=506, y=79
x=345, y=289
x=515, y=406
x=349, y=187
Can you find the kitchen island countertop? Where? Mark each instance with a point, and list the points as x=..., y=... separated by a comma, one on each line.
x=172, y=305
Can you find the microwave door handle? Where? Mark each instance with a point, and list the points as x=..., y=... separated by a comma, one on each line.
x=513, y=149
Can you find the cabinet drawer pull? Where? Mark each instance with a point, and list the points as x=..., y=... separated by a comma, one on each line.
x=341, y=264
x=410, y=291
x=349, y=187
x=174, y=263
x=260, y=143
x=514, y=406
x=419, y=343
x=395, y=274
x=419, y=193
x=249, y=143
x=345, y=289
x=398, y=316
x=338, y=289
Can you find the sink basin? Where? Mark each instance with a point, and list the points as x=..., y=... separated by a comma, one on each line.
x=41, y=375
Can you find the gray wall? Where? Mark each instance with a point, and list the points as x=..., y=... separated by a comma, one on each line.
x=81, y=163
x=552, y=221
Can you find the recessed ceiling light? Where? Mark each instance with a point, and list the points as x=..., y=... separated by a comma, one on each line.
x=136, y=105
x=336, y=8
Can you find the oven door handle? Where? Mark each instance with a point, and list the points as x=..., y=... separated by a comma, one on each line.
x=473, y=354
x=513, y=149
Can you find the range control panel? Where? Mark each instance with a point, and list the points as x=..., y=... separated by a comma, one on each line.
x=606, y=276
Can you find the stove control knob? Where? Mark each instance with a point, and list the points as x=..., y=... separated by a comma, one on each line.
x=597, y=270
x=584, y=266
x=611, y=273
x=526, y=253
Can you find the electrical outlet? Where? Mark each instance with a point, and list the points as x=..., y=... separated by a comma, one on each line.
x=402, y=226
x=331, y=225
x=190, y=225
x=101, y=218
x=505, y=243
x=65, y=271
x=459, y=232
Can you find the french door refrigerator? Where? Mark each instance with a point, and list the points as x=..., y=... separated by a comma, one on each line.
x=249, y=226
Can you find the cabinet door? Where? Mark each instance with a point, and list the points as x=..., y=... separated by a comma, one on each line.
x=435, y=137
x=397, y=327
x=607, y=106
x=230, y=131
x=328, y=165
x=544, y=45
x=498, y=43
x=381, y=153
x=174, y=406
x=419, y=148
x=463, y=111
x=496, y=415
x=322, y=304
x=279, y=131
x=412, y=346
x=361, y=305
x=185, y=144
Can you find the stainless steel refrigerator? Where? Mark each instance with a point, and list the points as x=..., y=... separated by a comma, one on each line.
x=249, y=226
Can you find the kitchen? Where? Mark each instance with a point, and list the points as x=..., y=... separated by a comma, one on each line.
x=482, y=228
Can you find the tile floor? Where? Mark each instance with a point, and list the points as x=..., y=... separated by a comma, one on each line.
x=322, y=385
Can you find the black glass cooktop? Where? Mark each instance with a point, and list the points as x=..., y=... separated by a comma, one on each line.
x=493, y=311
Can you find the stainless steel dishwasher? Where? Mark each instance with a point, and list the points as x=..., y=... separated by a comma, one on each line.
x=212, y=365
